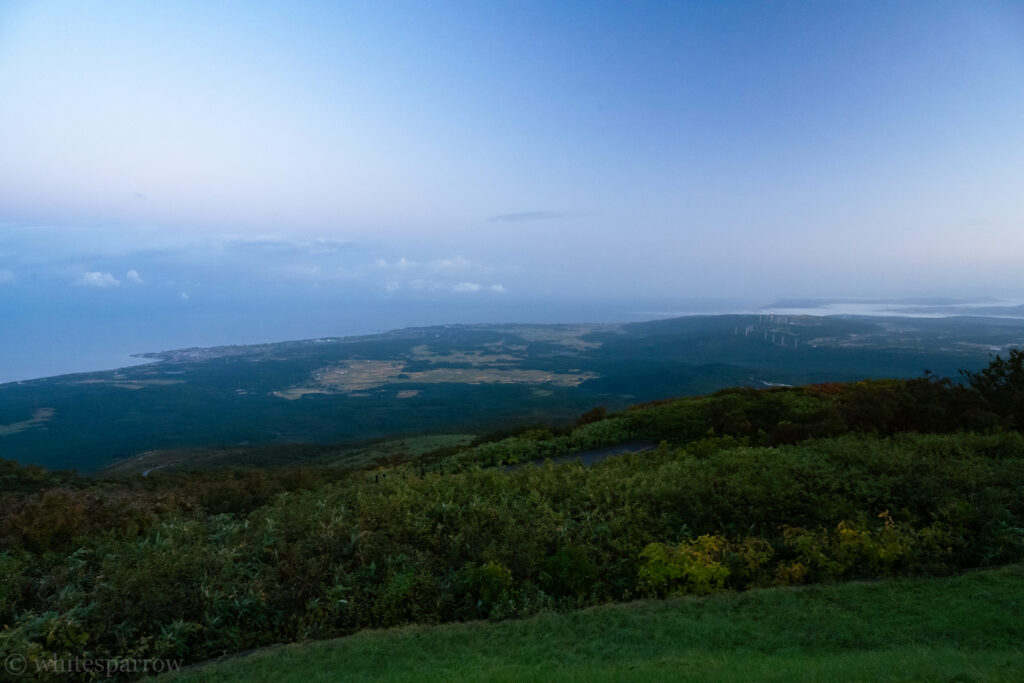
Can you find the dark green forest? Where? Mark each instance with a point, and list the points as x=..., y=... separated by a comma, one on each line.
x=522, y=375
x=739, y=489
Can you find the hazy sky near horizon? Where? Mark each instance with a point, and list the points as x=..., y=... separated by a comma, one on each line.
x=502, y=151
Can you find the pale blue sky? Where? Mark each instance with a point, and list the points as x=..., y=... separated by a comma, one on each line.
x=521, y=151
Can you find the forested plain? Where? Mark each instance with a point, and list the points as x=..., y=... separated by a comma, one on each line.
x=455, y=379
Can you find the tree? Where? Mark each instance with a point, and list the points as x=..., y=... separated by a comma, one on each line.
x=1001, y=386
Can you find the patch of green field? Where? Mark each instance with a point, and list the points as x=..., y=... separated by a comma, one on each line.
x=39, y=418
x=355, y=377
x=966, y=628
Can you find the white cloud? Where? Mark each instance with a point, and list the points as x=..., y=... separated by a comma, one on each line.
x=456, y=263
x=134, y=277
x=498, y=288
x=447, y=274
x=184, y=296
x=423, y=284
x=97, y=279
x=6, y=276
x=401, y=264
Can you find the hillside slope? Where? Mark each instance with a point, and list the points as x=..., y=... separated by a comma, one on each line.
x=746, y=489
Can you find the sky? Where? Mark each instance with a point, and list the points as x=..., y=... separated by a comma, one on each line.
x=165, y=167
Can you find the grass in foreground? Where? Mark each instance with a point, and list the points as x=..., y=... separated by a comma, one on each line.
x=966, y=628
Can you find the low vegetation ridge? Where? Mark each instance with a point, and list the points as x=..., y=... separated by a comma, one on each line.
x=747, y=489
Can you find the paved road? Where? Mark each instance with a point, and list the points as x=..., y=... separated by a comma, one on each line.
x=589, y=458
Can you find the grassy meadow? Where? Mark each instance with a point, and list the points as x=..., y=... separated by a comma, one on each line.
x=965, y=628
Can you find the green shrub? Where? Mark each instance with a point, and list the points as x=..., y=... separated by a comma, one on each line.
x=693, y=566
x=322, y=554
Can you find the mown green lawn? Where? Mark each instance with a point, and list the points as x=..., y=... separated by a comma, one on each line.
x=965, y=628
